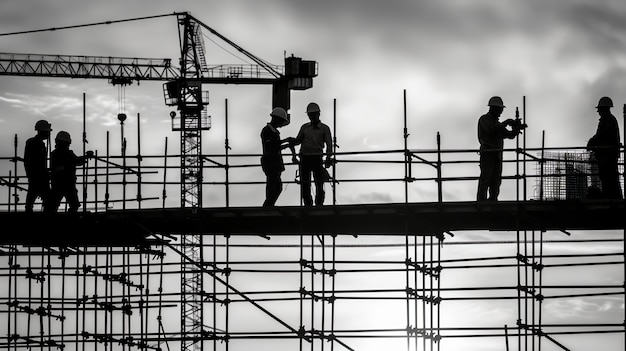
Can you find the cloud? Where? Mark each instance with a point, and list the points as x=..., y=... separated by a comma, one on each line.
x=15, y=101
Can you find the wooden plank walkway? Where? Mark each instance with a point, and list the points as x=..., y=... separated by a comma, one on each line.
x=131, y=227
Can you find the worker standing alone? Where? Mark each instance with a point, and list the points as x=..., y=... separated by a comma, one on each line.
x=63, y=162
x=491, y=135
x=605, y=146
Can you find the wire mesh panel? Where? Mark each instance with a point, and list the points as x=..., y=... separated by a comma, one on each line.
x=565, y=175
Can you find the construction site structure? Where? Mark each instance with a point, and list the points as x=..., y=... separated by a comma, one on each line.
x=352, y=276
x=124, y=273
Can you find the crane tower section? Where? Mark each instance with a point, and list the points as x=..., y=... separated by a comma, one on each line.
x=186, y=93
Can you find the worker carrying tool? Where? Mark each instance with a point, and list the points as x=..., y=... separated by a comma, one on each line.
x=491, y=135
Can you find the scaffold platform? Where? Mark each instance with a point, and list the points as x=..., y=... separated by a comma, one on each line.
x=131, y=227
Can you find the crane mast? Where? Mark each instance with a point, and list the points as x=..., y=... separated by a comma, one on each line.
x=193, y=120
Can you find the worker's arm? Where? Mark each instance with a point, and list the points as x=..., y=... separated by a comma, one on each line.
x=298, y=139
x=288, y=143
x=329, y=148
x=516, y=128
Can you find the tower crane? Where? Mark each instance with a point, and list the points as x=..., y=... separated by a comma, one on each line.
x=183, y=88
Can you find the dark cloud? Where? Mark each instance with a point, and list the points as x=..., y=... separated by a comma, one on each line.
x=602, y=26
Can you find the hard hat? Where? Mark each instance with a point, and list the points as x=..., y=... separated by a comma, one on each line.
x=43, y=125
x=63, y=136
x=280, y=113
x=496, y=101
x=605, y=102
x=312, y=107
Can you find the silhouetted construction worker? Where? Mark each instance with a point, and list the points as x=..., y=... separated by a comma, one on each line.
x=63, y=162
x=36, y=165
x=272, y=158
x=491, y=135
x=312, y=138
x=605, y=146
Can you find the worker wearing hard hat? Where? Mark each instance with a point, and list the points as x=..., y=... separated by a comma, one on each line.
x=272, y=158
x=313, y=137
x=36, y=165
x=63, y=162
x=605, y=145
x=491, y=135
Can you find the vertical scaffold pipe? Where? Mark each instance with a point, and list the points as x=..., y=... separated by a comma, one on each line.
x=407, y=260
x=226, y=148
x=517, y=167
x=302, y=295
x=323, y=291
x=312, y=275
x=524, y=146
x=332, y=301
x=439, y=163
x=540, y=290
x=424, y=271
x=15, y=178
x=164, y=191
x=139, y=161
x=106, y=178
x=84, y=142
x=407, y=157
x=440, y=238
x=227, y=296
x=123, y=174
x=63, y=292
x=215, y=296
x=334, y=183
x=542, y=164
x=95, y=182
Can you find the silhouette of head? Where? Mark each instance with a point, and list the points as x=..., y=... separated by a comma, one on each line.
x=63, y=139
x=280, y=118
x=43, y=128
x=496, y=106
x=313, y=111
x=604, y=105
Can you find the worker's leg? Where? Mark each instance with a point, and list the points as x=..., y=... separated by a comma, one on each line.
x=71, y=196
x=496, y=180
x=305, y=180
x=273, y=187
x=484, y=180
x=319, y=177
x=36, y=188
x=52, y=205
x=609, y=178
x=31, y=195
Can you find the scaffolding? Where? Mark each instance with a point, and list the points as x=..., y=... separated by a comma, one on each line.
x=397, y=290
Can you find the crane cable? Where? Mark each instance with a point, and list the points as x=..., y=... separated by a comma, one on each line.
x=89, y=24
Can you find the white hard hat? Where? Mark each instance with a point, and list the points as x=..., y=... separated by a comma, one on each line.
x=312, y=107
x=63, y=136
x=280, y=113
x=496, y=101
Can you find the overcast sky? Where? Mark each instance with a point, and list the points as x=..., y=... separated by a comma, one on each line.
x=449, y=56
